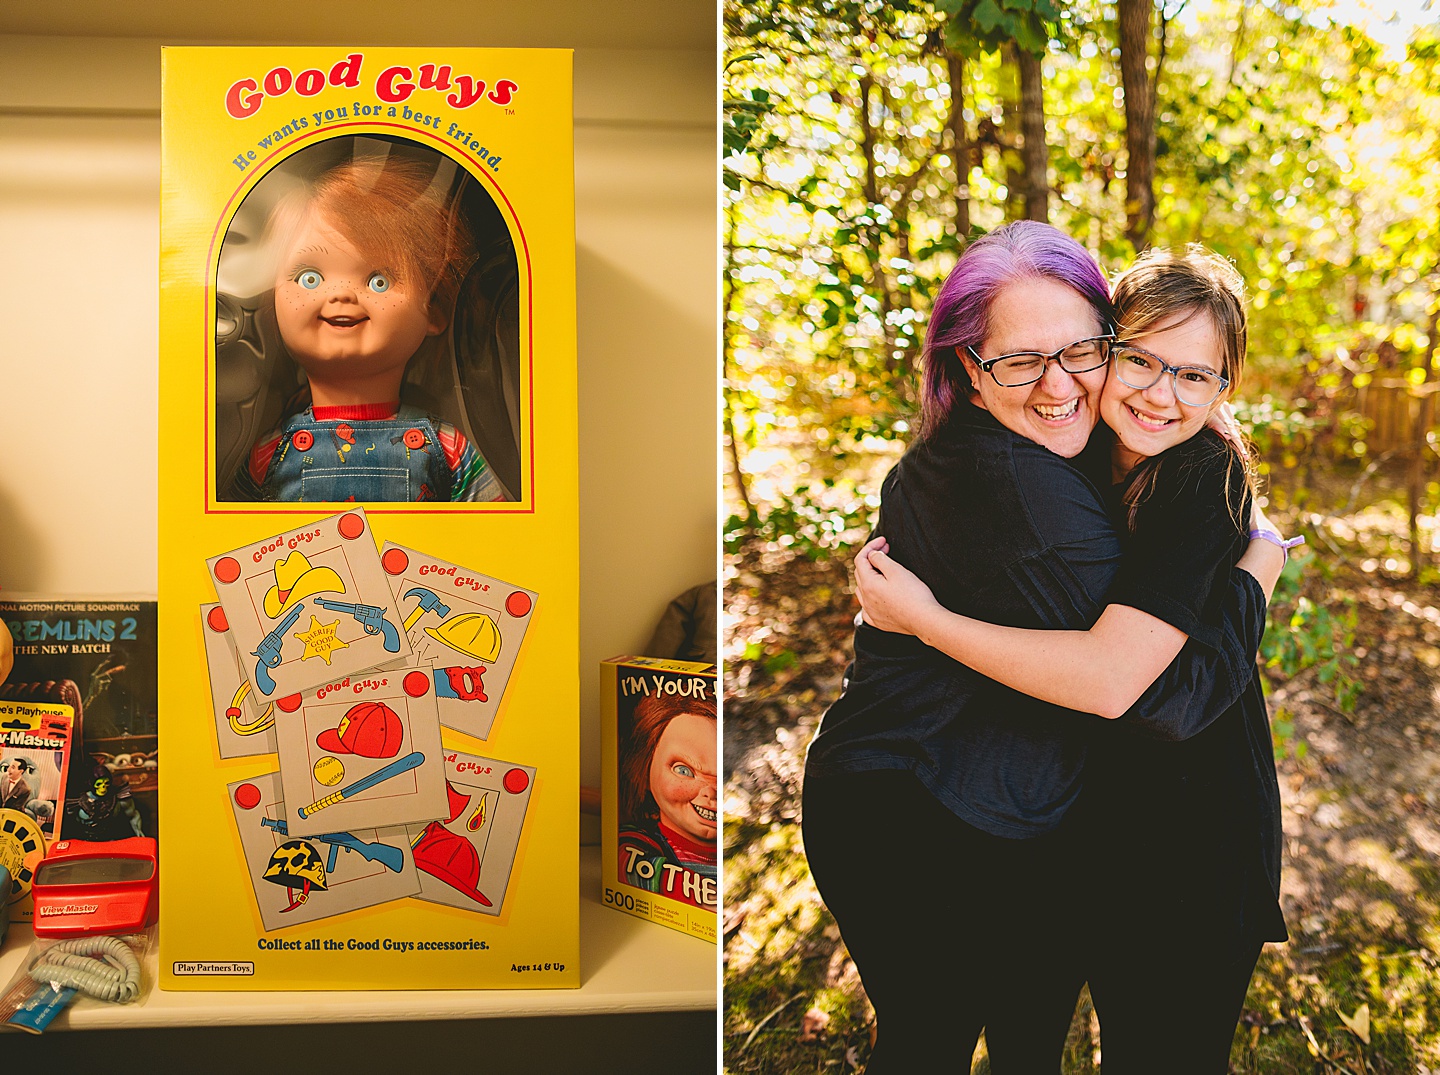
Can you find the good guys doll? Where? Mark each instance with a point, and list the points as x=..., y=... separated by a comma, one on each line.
x=370, y=258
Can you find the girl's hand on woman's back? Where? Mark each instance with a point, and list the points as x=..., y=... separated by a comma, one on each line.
x=892, y=597
x=1222, y=420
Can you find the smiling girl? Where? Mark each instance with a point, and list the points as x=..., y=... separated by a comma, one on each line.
x=1181, y=832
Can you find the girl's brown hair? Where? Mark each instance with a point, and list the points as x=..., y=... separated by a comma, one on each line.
x=1163, y=289
x=653, y=715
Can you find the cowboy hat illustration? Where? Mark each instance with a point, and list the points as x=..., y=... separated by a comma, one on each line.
x=296, y=580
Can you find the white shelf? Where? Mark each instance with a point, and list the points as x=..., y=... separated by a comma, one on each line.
x=627, y=965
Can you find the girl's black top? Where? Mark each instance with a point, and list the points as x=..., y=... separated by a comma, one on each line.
x=1212, y=797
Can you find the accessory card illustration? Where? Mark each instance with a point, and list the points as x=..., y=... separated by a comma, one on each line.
x=363, y=751
x=244, y=725
x=299, y=880
x=468, y=625
x=465, y=860
x=309, y=606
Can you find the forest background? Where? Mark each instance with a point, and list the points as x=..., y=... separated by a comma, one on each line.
x=865, y=143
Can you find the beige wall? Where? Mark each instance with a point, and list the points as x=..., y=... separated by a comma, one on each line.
x=79, y=185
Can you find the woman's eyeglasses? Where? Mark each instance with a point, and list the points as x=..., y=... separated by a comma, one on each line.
x=1026, y=367
x=1195, y=386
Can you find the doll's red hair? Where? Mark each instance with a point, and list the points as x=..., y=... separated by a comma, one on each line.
x=391, y=209
x=653, y=715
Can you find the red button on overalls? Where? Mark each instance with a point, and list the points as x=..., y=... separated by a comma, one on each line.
x=302, y=440
x=414, y=439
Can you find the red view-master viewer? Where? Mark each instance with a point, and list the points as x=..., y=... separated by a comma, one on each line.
x=84, y=888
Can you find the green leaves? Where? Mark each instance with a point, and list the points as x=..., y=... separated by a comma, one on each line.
x=1302, y=633
x=989, y=25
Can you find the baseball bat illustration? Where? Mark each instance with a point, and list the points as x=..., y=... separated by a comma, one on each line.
x=395, y=768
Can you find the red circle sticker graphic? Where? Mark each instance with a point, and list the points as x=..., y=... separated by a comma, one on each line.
x=394, y=561
x=217, y=621
x=516, y=781
x=416, y=684
x=247, y=796
x=518, y=603
x=289, y=703
x=227, y=569
x=303, y=440
x=414, y=439
x=351, y=525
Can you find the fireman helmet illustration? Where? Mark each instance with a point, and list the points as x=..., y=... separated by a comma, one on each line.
x=471, y=633
x=449, y=858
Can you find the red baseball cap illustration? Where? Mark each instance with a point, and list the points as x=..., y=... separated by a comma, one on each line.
x=369, y=729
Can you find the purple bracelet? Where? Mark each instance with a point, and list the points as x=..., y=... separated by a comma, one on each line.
x=1276, y=539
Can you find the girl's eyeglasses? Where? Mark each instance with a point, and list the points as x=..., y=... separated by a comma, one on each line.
x=1195, y=386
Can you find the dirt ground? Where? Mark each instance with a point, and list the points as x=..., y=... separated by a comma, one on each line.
x=1361, y=801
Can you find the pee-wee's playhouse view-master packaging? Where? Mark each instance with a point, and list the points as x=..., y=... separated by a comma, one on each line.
x=659, y=808
x=368, y=520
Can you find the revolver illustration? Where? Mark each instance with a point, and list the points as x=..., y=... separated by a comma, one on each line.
x=371, y=617
x=269, y=650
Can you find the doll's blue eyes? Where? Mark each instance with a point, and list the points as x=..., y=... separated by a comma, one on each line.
x=681, y=769
x=310, y=279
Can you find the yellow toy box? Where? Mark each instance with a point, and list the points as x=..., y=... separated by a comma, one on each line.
x=659, y=810
x=368, y=519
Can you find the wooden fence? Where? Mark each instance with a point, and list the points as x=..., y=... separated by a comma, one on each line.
x=1401, y=414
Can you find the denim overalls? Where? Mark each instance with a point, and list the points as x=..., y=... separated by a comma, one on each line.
x=398, y=460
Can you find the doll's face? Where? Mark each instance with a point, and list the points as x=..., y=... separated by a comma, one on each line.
x=15, y=769
x=682, y=776
x=336, y=305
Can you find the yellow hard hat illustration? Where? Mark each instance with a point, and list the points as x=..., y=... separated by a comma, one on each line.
x=471, y=633
x=296, y=580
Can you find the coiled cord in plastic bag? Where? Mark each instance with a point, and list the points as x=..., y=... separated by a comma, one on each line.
x=100, y=967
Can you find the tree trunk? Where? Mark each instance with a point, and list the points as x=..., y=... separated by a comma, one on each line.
x=1008, y=139
x=874, y=232
x=1032, y=129
x=727, y=354
x=1134, y=18
x=961, y=144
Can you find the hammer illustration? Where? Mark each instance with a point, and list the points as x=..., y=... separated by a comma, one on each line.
x=428, y=603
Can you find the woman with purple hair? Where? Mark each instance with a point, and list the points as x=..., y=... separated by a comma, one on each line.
x=944, y=819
